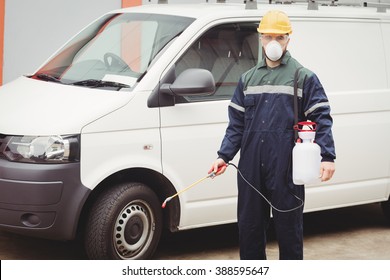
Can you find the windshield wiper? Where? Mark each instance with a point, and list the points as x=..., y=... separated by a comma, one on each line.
x=99, y=83
x=47, y=77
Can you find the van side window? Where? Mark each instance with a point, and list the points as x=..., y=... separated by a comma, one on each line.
x=227, y=51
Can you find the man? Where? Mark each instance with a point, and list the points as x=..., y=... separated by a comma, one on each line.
x=261, y=121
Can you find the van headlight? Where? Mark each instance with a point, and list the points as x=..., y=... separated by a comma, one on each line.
x=43, y=149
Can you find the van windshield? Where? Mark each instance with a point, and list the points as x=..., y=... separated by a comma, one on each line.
x=114, y=52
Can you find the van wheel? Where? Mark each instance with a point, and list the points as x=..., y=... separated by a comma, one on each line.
x=386, y=209
x=125, y=222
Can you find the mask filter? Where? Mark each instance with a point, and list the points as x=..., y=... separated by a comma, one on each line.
x=273, y=51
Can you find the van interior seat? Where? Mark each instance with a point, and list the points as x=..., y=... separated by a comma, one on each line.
x=230, y=64
x=250, y=47
x=191, y=59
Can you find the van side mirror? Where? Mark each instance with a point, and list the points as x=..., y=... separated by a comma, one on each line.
x=193, y=81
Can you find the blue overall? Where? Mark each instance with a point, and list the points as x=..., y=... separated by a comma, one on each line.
x=261, y=120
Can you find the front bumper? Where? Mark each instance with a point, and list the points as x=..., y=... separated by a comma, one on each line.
x=41, y=200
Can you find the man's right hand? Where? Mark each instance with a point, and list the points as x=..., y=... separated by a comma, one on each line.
x=219, y=163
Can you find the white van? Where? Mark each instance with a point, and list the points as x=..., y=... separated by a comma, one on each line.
x=133, y=109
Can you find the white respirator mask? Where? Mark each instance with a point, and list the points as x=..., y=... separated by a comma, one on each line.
x=273, y=50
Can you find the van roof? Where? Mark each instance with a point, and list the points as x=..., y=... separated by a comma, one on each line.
x=224, y=10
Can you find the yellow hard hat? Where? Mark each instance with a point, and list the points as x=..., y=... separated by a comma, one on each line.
x=275, y=22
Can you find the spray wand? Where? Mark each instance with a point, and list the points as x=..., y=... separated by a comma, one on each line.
x=211, y=175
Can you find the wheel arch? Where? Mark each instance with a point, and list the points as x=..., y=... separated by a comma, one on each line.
x=157, y=182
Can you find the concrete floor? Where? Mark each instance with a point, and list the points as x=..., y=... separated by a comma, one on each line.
x=354, y=233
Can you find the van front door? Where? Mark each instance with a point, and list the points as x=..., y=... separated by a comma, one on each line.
x=192, y=129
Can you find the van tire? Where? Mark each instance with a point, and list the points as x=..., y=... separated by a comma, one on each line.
x=125, y=222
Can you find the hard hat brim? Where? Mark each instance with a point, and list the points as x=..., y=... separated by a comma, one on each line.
x=272, y=31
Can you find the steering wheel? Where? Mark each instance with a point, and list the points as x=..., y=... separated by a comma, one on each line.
x=113, y=61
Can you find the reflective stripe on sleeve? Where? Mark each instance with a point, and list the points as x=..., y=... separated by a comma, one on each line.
x=318, y=105
x=237, y=107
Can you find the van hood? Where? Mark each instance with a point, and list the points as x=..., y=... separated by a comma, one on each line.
x=34, y=107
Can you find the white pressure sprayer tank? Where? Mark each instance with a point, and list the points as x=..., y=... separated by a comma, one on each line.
x=306, y=155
